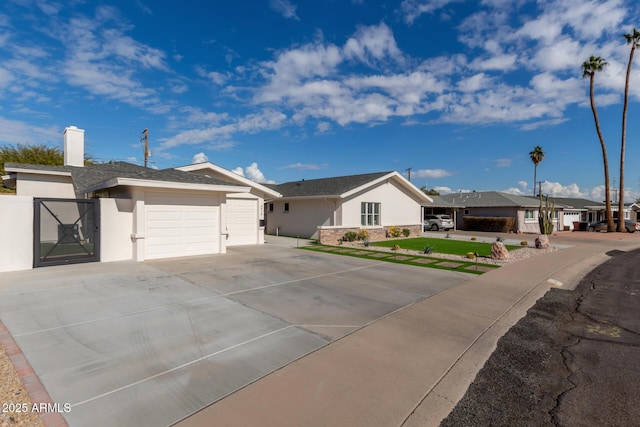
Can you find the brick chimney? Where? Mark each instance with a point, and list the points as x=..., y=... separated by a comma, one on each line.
x=74, y=146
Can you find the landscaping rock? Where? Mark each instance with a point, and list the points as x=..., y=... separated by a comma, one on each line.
x=542, y=242
x=499, y=251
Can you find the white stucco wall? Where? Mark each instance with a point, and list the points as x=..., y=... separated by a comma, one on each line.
x=397, y=206
x=116, y=227
x=303, y=218
x=59, y=187
x=16, y=245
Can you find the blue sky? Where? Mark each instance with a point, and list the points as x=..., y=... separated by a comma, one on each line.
x=280, y=90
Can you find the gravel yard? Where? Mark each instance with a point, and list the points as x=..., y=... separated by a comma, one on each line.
x=12, y=395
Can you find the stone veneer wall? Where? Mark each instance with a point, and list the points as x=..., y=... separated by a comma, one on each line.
x=331, y=236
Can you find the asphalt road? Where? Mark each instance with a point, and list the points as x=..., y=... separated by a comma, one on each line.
x=572, y=361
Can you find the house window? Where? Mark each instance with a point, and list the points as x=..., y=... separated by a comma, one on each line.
x=466, y=211
x=529, y=214
x=286, y=207
x=270, y=207
x=369, y=213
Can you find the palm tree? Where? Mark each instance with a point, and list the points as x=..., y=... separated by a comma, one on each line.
x=589, y=68
x=536, y=157
x=634, y=40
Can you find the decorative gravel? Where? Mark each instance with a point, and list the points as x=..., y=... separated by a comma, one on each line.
x=12, y=394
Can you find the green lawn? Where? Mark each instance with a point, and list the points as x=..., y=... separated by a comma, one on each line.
x=443, y=246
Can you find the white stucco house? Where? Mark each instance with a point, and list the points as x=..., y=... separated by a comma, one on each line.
x=120, y=211
x=325, y=209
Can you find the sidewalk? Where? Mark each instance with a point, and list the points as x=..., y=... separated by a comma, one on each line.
x=411, y=367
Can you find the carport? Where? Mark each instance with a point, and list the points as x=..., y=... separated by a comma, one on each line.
x=147, y=344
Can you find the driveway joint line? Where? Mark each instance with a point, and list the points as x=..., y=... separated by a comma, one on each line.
x=184, y=365
x=134, y=313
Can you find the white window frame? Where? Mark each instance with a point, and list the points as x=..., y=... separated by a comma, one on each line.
x=528, y=218
x=370, y=214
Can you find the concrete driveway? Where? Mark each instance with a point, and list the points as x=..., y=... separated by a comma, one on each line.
x=147, y=344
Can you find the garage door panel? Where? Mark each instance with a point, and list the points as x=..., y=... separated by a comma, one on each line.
x=179, y=225
x=242, y=222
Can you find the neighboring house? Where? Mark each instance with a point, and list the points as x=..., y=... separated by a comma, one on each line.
x=245, y=211
x=497, y=204
x=576, y=210
x=119, y=211
x=325, y=209
x=442, y=206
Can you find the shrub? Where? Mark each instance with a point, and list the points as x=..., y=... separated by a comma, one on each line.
x=362, y=235
x=394, y=231
x=350, y=236
x=447, y=236
x=406, y=232
x=489, y=223
x=395, y=248
x=499, y=239
x=428, y=249
x=474, y=238
x=524, y=243
x=366, y=243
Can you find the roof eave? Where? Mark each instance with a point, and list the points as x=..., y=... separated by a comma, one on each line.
x=132, y=182
x=231, y=175
x=37, y=171
x=404, y=182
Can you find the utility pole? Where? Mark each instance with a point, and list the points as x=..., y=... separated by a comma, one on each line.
x=145, y=136
x=409, y=173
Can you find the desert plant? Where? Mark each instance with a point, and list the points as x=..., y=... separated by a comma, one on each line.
x=474, y=238
x=499, y=239
x=363, y=235
x=524, y=243
x=395, y=231
x=447, y=236
x=545, y=216
x=350, y=236
x=428, y=249
x=366, y=243
x=406, y=232
x=395, y=247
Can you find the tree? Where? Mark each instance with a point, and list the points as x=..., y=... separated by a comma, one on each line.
x=536, y=157
x=31, y=154
x=634, y=40
x=589, y=69
x=431, y=192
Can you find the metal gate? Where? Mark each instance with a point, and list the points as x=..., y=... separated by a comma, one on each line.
x=66, y=231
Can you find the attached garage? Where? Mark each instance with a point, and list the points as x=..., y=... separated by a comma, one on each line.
x=181, y=225
x=242, y=221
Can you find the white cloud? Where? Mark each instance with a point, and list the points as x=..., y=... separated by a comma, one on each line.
x=372, y=44
x=502, y=163
x=284, y=8
x=253, y=173
x=18, y=132
x=199, y=158
x=304, y=166
x=431, y=173
x=412, y=9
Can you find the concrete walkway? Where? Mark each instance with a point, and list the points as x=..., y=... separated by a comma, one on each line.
x=411, y=367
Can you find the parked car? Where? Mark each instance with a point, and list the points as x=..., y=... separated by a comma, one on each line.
x=631, y=226
x=437, y=222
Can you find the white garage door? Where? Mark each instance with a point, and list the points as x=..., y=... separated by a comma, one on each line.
x=180, y=225
x=570, y=217
x=242, y=221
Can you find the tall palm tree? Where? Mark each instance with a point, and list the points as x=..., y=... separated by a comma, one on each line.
x=536, y=157
x=589, y=69
x=633, y=39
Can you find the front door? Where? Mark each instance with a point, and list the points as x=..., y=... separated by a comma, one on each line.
x=66, y=231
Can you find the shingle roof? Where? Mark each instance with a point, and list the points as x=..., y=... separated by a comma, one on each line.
x=441, y=202
x=92, y=175
x=490, y=199
x=326, y=186
x=575, y=203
